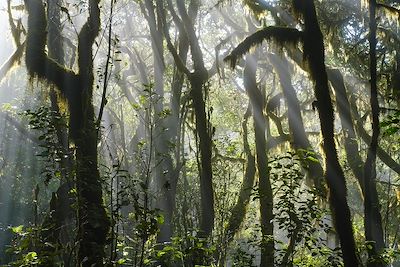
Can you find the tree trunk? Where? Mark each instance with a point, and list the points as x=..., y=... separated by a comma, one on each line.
x=54, y=227
x=238, y=212
x=300, y=142
x=314, y=54
x=372, y=215
x=265, y=190
x=204, y=139
x=350, y=139
x=167, y=130
x=93, y=223
x=198, y=93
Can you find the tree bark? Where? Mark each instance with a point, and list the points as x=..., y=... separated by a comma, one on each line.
x=198, y=93
x=265, y=190
x=314, y=54
x=350, y=139
x=372, y=216
x=93, y=223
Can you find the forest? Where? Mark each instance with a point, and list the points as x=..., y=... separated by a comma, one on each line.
x=200, y=133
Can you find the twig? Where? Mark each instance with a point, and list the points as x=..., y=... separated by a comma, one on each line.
x=103, y=98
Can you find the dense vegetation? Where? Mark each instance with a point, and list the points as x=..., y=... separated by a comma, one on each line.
x=200, y=133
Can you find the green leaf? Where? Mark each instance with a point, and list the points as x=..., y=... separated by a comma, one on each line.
x=121, y=261
x=312, y=159
x=161, y=253
x=31, y=256
x=392, y=130
x=160, y=219
x=17, y=229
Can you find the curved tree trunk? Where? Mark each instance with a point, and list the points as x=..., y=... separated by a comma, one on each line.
x=350, y=139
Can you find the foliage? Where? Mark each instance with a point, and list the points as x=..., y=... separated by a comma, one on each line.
x=242, y=257
x=46, y=121
x=185, y=250
x=299, y=215
x=29, y=241
x=149, y=119
x=23, y=247
x=142, y=222
x=391, y=124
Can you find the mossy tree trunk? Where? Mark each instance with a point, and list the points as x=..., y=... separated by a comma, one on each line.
x=55, y=232
x=372, y=215
x=77, y=89
x=264, y=190
x=314, y=54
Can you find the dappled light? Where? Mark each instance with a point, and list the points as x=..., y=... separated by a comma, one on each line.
x=199, y=133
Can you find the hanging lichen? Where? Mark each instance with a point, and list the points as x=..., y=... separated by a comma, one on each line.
x=280, y=36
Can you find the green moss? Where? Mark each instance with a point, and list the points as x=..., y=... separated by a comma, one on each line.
x=39, y=65
x=281, y=36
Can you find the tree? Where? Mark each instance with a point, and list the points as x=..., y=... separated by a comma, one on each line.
x=264, y=188
x=299, y=138
x=168, y=129
x=372, y=219
x=199, y=90
x=196, y=168
x=77, y=89
x=313, y=45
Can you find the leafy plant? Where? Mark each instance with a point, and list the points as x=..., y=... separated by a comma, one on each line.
x=24, y=245
x=241, y=257
x=299, y=215
x=391, y=124
x=184, y=250
x=46, y=121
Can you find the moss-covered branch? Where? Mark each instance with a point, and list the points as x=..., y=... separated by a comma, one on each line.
x=13, y=60
x=278, y=35
x=39, y=65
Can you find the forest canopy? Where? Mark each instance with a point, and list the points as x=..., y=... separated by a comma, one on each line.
x=200, y=133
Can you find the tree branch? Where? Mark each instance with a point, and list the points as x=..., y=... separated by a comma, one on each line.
x=280, y=35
